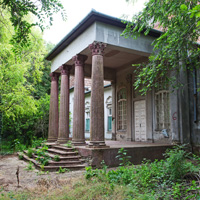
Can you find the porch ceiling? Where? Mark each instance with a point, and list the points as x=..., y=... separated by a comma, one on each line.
x=114, y=57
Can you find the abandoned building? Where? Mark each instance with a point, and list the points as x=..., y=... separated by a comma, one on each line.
x=107, y=108
x=95, y=49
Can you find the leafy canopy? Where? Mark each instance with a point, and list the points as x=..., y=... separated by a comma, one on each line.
x=42, y=9
x=24, y=88
x=176, y=49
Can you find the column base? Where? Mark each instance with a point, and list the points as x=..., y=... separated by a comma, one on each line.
x=50, y=140
x=62, y=140
x=78, y=143
x=97, y=144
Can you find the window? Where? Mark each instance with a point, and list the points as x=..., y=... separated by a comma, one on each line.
x=109, y=119
x=87, y=122
x=162, y=109
x=109, y=113
x=122, y=109
x=87, y=116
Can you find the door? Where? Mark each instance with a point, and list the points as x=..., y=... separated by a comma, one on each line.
x=140, y=120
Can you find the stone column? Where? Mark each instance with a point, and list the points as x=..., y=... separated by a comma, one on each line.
x=53, y=110
x=97, y=96
x=78, y=137
x=63, y=133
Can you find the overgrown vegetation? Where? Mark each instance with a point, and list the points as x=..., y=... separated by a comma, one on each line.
x=175, y=50
x=24, y=88
x=175, y=177
x=19, y=10
x=42, y=156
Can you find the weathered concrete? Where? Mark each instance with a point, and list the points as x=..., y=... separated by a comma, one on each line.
x=137, y=151
x=97, y=96
x=194, y=105
x=63, y=134
x=53, y=110
x=79, y=101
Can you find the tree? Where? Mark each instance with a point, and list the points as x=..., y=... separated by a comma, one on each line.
x=176, y=49
x=21, y=77
x=43, y=10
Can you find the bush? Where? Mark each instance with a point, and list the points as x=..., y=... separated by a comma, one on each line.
x=30, y=153
x=164, y=179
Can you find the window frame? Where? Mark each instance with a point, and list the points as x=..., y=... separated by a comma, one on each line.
x=162, y=110
x=122, y=109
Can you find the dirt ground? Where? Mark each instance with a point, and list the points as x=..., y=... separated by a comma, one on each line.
x=30, y=180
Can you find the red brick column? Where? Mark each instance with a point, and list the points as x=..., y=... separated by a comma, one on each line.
x=53, y=110
x=97, y=96
x=63, y=133
x=78, y=137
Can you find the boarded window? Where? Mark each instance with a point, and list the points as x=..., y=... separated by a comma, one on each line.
x=122, y=109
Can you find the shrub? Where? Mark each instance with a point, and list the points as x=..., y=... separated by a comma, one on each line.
x=20, y=156
x=123, y=157
x=30, y=153
x=56, y=158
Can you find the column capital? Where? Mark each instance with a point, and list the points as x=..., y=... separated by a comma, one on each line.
x=79, y=59
x=54, y=76
x=97, y=48
x=65, y=69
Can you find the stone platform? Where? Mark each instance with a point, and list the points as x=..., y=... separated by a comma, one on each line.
x=137, y=150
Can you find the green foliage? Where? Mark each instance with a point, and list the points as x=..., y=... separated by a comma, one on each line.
x=30, y=152
x=19, y=10
x=175, y=50
x=90, y=172
x=17, y=146
x=61, y=170
x=37, y=142
x=69, y=144
x=164, y=179
x=29, y=167
x=24, y=88
x=20, y=156
x=56, y=158
x=123, y=157
x=176, y=165
x=42, y=156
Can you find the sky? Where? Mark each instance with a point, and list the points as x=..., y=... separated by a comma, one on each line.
x=77, y=9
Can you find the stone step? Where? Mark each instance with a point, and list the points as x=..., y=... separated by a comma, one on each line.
x=67, y=149
x=69, y=159
x=62, y=158
x=54, y=167
x=61, y=152
x=64, y=163
x=69, y=167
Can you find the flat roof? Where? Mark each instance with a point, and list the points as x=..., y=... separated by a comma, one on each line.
x=84, y=24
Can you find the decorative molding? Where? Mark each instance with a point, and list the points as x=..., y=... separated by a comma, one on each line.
x=79, y=59
x=87, y=106
x=109, y=101
x=97, y=48
x=65, y=69
x=54, y=76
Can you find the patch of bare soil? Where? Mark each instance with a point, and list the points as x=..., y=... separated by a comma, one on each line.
x=30, y=180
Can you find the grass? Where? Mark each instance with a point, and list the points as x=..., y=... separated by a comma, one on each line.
x=175, y=177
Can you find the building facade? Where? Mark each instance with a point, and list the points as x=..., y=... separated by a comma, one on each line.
x=95, y=49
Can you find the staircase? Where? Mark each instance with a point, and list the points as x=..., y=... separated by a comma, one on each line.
x=69, y=159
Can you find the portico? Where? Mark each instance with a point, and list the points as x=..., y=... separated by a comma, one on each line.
x=95, y=49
